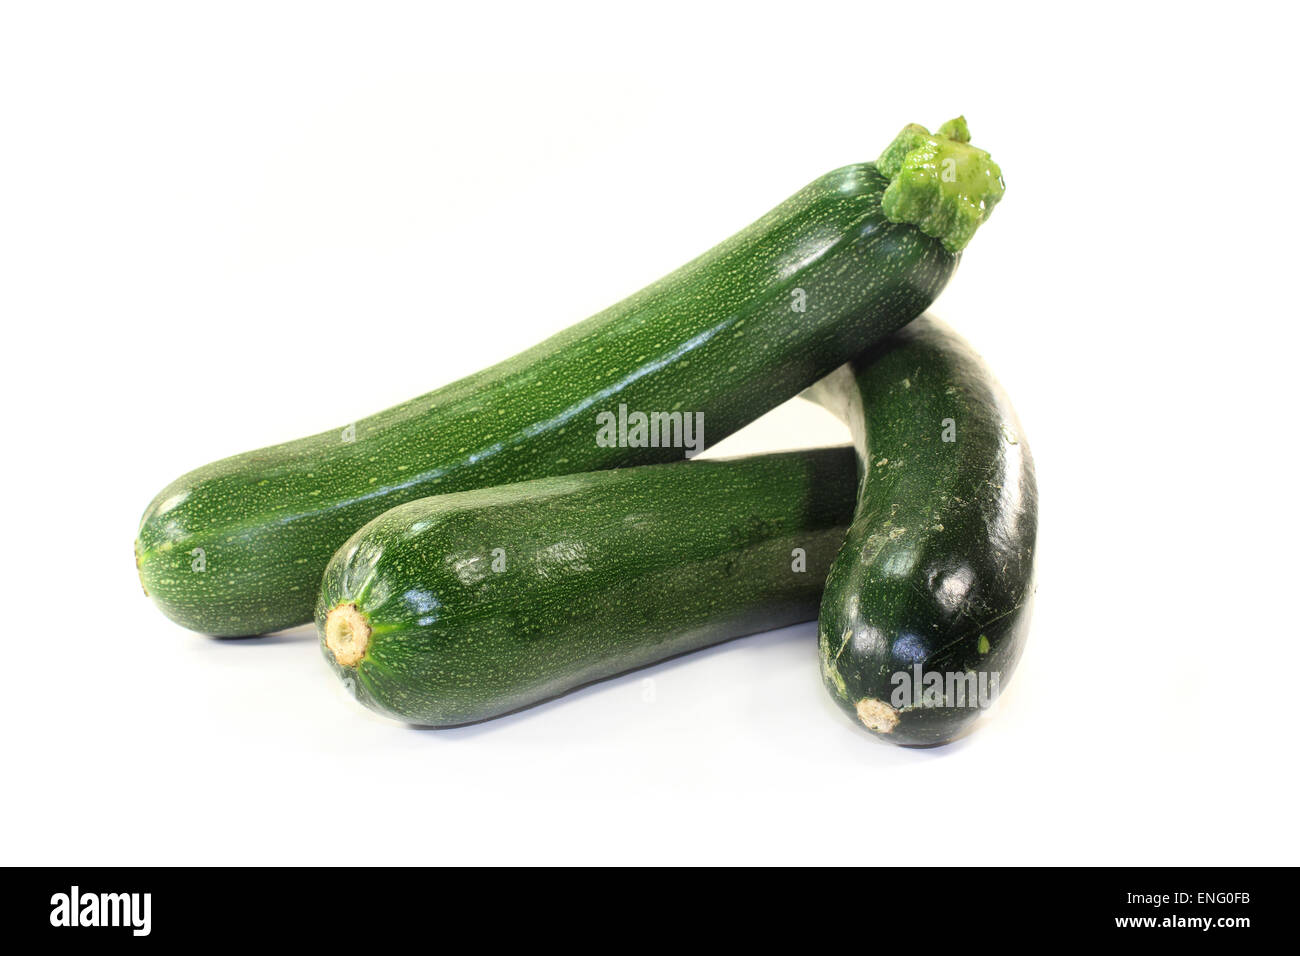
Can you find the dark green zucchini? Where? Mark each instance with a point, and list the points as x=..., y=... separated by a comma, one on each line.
x=927, y=605
x=465, y=606
x=238, y=547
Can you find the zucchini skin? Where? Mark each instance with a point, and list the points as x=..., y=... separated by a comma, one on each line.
x=238, y=547
x=603, y=572
x=937, y=569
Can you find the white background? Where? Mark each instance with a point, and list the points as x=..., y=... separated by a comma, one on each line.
x=227, y=225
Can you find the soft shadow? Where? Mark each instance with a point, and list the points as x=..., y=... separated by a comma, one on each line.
x=292, y=635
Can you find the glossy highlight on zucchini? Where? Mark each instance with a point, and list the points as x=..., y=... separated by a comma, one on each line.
x=466, y=606
x=238, y=546
x=927, y=606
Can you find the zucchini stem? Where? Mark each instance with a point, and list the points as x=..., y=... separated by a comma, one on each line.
x=940, y=183
x=347, y=634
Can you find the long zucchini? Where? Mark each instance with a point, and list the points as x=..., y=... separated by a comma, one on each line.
x=927, y=606
x=465, y=606
x=238, y=546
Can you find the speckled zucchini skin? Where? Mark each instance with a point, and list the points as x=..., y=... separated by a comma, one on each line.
x=721, y=336
x=937, y=569
x=603, y=572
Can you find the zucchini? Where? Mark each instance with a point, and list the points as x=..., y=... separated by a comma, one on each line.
x=238, y=546
x=465, y=606
x=927, y=605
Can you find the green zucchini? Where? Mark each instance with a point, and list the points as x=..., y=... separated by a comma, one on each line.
x=465, y=606
x=927, y=606
x=238, y=546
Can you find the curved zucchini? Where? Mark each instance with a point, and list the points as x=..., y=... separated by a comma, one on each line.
x=238, y=546
x=461, y=607
x=927, y=605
